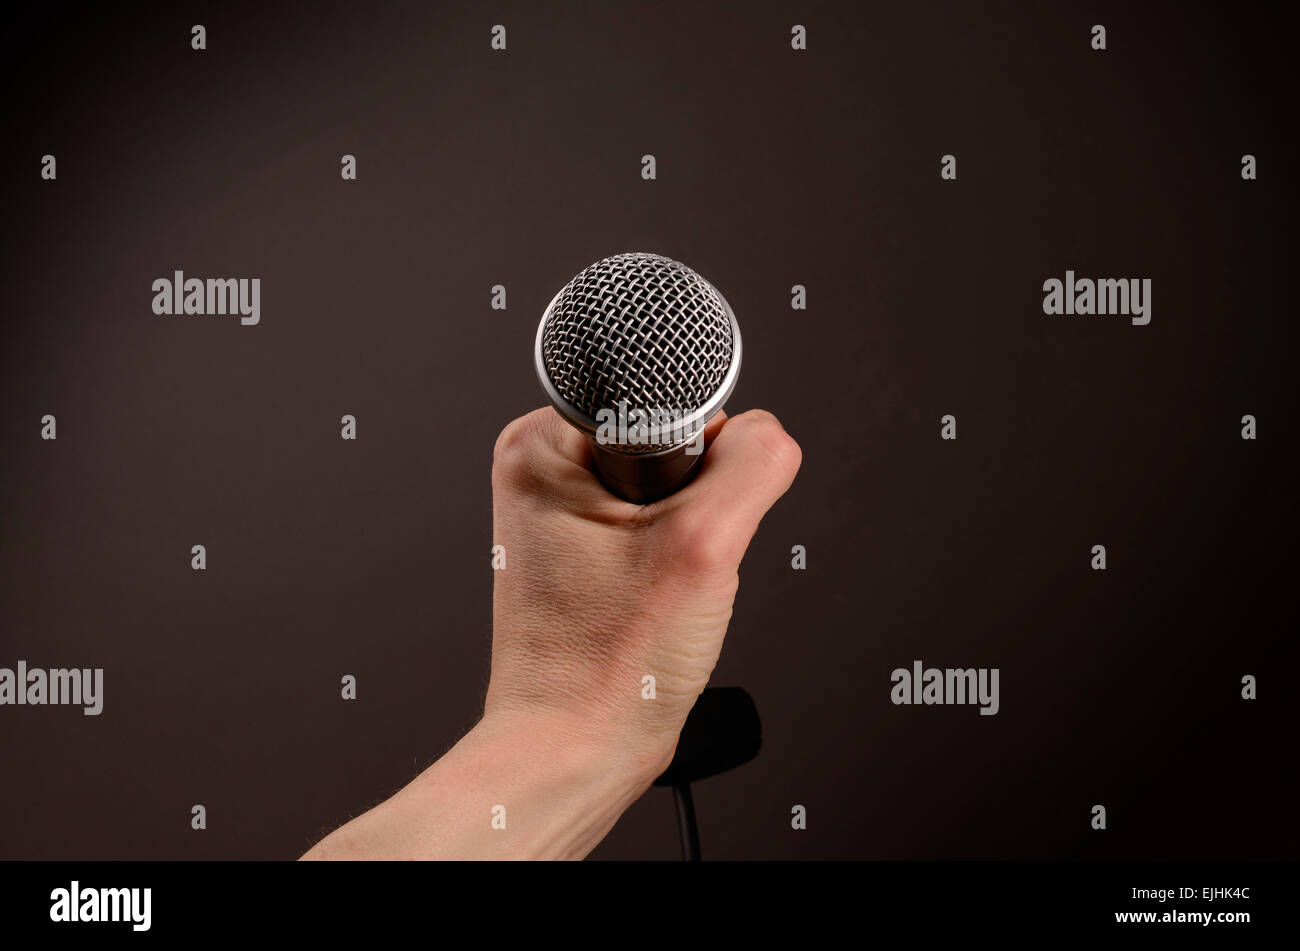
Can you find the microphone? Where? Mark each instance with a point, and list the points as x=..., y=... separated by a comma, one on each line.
x=639, y=352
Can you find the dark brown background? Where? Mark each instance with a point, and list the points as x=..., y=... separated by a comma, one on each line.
x=775, y=168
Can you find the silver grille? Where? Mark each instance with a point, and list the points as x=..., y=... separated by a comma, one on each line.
x=641, y=331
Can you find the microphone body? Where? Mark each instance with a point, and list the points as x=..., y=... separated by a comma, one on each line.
x=639, y=352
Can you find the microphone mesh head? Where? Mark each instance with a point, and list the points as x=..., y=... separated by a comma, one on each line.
x=641, y=330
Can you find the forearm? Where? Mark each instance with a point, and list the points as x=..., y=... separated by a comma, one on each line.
x=562, y=790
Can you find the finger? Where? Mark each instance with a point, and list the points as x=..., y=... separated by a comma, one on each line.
x=714, y=427
x=541, y=455
x=545, y=429
x=750, y=464
x=543, y=434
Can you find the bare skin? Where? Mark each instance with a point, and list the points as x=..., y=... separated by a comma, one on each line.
x=597, y=594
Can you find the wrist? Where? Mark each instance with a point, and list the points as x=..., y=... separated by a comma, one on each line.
x=578, y=744
x=558, y=784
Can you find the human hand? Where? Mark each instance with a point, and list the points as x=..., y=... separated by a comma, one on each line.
x=597, y=593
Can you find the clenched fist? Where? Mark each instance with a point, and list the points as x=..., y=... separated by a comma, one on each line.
x=597, y=594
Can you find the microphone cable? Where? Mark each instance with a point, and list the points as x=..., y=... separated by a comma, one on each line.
x=690, y=832
x=721, y=732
